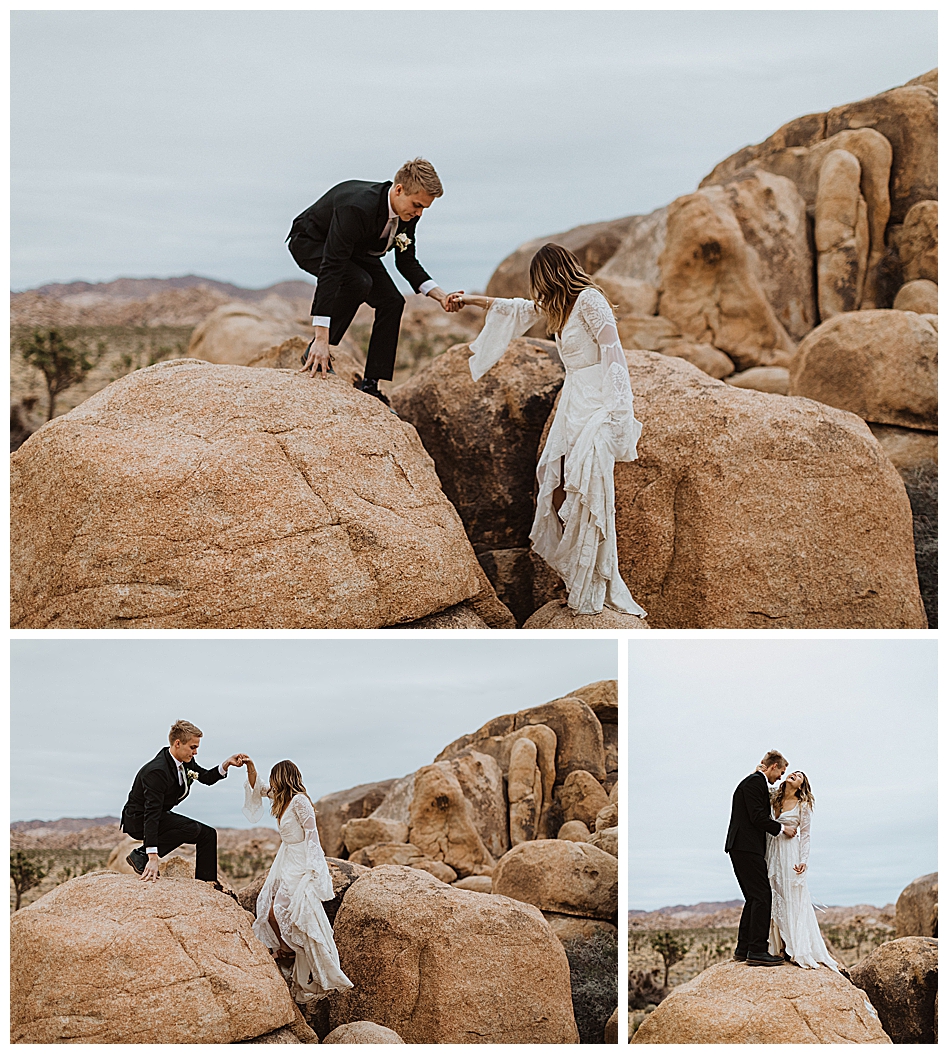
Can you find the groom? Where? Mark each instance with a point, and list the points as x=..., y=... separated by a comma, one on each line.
x=751, y=822
x=161, y=785
x=341, y=239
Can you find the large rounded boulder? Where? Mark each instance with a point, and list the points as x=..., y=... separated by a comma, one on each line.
x=236, y=334
x=438, y=964
x=106, y=958
x=753, y=511
x=916, y=911
x=736, y=1003
x=901, y=979
x=190, y=495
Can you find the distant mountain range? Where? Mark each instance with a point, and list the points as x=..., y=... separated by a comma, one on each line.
x=706, y=907
x=139, y=288
x=66, y=825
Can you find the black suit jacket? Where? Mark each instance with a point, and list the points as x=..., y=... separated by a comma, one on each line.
x=347, y=222
x=751, y=820
x=156, y=790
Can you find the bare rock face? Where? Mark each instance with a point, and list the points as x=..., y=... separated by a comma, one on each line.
x=611, y=1032
x=557, y=615
x=461, y=616
x=105, y=958
x=639, y=251
x=747, y=510
x=916, y=912
x=570, y=927
x=919, y=295
x=404, y=855
x=602, y=697
x=524, y=792
x=475, y=883
x=334, y=811
x=841, y=231
x=443, y=965
x=918, y=242
x=606, y=839
x=608, y=815
x=346, y=359
x=705, y=356
x=901, y=979
x=734, y=1003
x=442, y=824
x=363, y=1032
x=648, y=332
x=581, y=797
x=775, y=380
x=629, y=296
x=482, y=782
x=358, y=833
x=568, y=878
x=483, y=435
x=881, y=365
x=574, y=831
x=189, y=495
x=907, y=448
x=236, y=334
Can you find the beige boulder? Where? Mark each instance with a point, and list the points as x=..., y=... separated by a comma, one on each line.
x=483, y=435
x=450, y=966
x=461, y=616
x=907, y=448
x=608, y=815
x=881, y=365
x=611, y=1031
x=404, y=854
x=581, y=797
x=638, y=253
x=916, y=911
x=614, y=795
x=918, y=242
x=606, y=839
x=482, y=782
x=571, y=927
x=629, y=296
x=396, y=803
x=919, y=295
x=747, y=510
x=568, y=878
x=524, y=792
x=705, y=356
x=363, y=1032
x=106, y=958
x=901, y=979
x=557, y=615
x=442, y=823
x=203, y=496
x=358, y=833
x=647, y=332
x=475, y=883
x=732, y=1003
x=602, y=697
x=774, y=380
x=236, y=334
x=841, y=233
x=574, y=831
x=346, y=359
x=334, y=811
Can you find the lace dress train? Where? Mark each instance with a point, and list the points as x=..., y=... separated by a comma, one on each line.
x=593, y=427
x=297, y=884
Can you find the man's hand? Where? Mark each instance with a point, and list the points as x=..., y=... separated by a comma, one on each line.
x=799, y=868
x=318, y=360
x=446, y=300
x=150, y=874
x=790, y=832
x=237, y=760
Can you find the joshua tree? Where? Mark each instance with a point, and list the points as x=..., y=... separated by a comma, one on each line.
x=672, y=949
x=61, y=363
x=25, y=874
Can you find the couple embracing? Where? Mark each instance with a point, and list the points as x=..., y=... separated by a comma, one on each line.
x=290, y=918
x=768, y=840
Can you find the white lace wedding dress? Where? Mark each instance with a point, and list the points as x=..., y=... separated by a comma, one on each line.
x=594, y=427
x=793, y=924
x=298, y=883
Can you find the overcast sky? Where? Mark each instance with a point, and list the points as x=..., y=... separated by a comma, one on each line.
x=162, y=143
x=858, y=716
x=87, y=714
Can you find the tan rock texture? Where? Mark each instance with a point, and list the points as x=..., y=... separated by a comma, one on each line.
x=524, y=792
x=919, y=295
x=606, y=839
x=442, y=823
x=443, y=965
x=482, y=782
x=569, y=878
x=611, y=1032
x=734, y=1003
x=358, y=833
x=841, y=232
x=363, y=1032
x=334, y=811
x=346, y=359
x=774, y=380
x=105, y=958
x=461, y=616
x=608, y=816
x=901, y=979
x=570, y=927
x=906, y=448
x=639, y=251
x=629, y=296
x=602, y=697
x=236, y=334
x=647, y=332
x=705, y=356
x=557, y=615
x=747, y=510
x=483, y=435
x=204, y=496
x=404, y=854
x=475, y=883
x=918, y=242
x=581, y=797
x=916, y=911
x=881, y=365
x=574, y=831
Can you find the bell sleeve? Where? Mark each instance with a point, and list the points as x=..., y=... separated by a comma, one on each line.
x=804, y=834
x=315, y=857
x=253, y=799
x=506, y=319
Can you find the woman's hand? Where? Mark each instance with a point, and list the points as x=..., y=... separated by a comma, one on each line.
x=470, y=300
x=799, y=868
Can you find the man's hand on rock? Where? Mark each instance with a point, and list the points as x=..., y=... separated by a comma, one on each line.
x=318, y=360
x=150, y=874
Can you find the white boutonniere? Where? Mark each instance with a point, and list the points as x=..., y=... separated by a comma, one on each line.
x=402, y=241
x=192, y=775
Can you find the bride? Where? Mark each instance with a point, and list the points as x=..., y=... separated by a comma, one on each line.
x=291, y=920
x=793, y=926
x=574, y=529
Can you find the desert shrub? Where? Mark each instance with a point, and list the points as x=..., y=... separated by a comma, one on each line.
x=645, y=989
x=672, y=949
x=63, y=362
x=594, y=981
x=921, y=485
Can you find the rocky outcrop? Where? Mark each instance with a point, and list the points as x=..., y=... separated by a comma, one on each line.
x=574, y=831
x=404, y=854
x=734, y=1003
x=916, y=912
x=920, y=296
x=236, y=334
x=774, y=380
x=705, y=356
x=747, y=510
x=443, y=965
x=363, y=1032
x=106, y=958
x=204, y=496
x=565, y=877
x=581, y=797
x=881, y=365
x=901, y=979
x=334, y=811
x=841, y=232
x=442, y=825
x=917, y=242
x=481, y=780
x=358, y=833
x=524, y=792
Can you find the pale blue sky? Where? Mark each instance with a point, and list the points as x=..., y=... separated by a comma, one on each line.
x=858, y=716
x=87, y=714
x=161, y=143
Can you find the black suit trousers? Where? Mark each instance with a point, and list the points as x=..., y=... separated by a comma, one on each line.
x=175, y=830
x=751, y=872
x=365, y=281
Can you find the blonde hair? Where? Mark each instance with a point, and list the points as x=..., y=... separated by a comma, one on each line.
x=286, y=781
x=419, y=175
x=773, y=757
x=183, y=731
x=556, y=280
x=803, y=793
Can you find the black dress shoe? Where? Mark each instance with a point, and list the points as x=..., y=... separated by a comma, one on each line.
x=137, y=859
x=764, y=959
x=740, y=957
x=371, y=387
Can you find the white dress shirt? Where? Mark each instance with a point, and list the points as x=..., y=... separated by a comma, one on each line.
x=181, y=779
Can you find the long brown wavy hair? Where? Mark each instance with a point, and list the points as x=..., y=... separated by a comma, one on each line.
x=803, y=793
x=286, y=780
x=556, y=280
